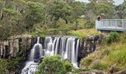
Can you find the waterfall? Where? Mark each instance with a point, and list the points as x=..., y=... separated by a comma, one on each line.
x=75, y=54
x=66, y=47
x=53, y=47
x=35, y=55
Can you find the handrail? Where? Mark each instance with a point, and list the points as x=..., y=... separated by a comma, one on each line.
x=111, y=24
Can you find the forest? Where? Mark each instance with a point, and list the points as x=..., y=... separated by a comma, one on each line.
x=70, y=17
x=41, y=17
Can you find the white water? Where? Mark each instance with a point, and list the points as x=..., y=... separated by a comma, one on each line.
x=67, y=47
x=35, y=54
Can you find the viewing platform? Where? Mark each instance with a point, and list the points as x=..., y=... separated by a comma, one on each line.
x=111, y=25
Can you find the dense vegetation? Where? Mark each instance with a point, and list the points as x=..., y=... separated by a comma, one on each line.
x=111, y=55
x=43, y=17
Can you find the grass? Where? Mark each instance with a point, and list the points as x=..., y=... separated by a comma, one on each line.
x=84, y=32
x=107, y=56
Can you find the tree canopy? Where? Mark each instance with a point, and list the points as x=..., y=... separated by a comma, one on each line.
x=17, y=17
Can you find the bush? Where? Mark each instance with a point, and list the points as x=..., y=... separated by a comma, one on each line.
x=113, y=36
x=54, y=65
x=100, y=65
x=68, y=65
x=3, y=66
x=89, y=25
x=86, y=61
x=13, y=63
x=118, y=56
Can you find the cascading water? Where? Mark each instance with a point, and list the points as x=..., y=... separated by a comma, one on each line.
x=66, y=47
x=35, y=55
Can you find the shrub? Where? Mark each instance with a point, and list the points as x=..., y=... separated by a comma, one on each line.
x=54, y=65
x=100, y=65
x=89, y=25
x=86, y=62
x=113, y=36
x=3, y=66
x=68, y=65
x=118, y=56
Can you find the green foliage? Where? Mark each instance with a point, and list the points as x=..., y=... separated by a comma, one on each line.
x=38, y=34
x=3, y=66
x=68, y=65
x=118, y=56
x=89, y=25
x=113, y=36
x=35, y=12
x=41, y=15
x=13, y=64
x=86, y=62
x=108, y=56
x=120, y=10
x=54, y=65
x=84, y=33
x=103, y=8
x=99, y=65
x=4, y=33
x=11, y=12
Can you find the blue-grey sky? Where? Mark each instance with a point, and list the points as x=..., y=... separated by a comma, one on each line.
x=117, y=2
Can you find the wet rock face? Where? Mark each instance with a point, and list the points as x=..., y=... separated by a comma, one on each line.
x=89, y=45
x=10, y=48
x=17, y=46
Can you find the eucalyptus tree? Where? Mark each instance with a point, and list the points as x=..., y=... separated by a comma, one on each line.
x=90, y=15
x=77, y=12
x=105, y=8
x=56, y=11
x=60, y=9
x=9, y=19
x=34, y=14
x=67, y=13
x=100, y=7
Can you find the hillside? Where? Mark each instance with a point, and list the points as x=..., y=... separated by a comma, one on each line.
x=109, y=56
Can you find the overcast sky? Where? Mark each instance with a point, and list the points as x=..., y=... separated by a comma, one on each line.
x=117, y=2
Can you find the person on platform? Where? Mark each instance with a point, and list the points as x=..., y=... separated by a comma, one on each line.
x=99, y=18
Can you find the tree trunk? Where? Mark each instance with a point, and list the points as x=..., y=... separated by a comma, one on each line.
x=55, y=22
x=66, y=21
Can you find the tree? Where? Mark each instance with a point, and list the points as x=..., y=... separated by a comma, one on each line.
x=66, y=13
x=99, y=7
x=121, y=10
x=54, y=65
x=34, y=14
x=103, y=8
x=56, y=11
x=77, y=12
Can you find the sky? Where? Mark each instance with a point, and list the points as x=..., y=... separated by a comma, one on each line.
x=117, y=2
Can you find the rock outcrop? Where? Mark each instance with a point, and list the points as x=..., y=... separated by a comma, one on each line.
x=9, y=48
x=89, y=44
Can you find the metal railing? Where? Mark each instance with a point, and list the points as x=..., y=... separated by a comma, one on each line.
x=111, y=24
